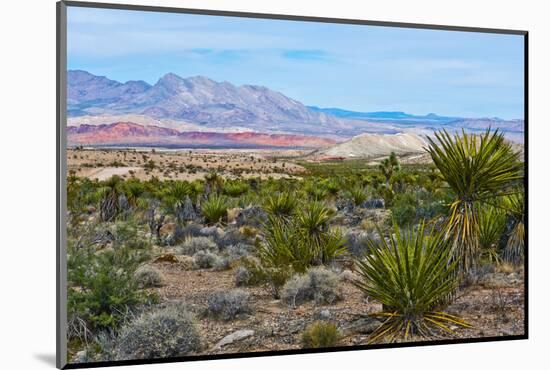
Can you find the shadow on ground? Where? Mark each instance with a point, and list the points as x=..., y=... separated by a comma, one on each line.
x=47, y=358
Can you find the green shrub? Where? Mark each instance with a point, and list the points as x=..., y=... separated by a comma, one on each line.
x=214, y=209
x=411, y=274
x=165, y=332
x=315, y=192
x=403, y=209
x=317, y=284
x=320, y=334
x=283, y=246
x=101, y=287
x=389, y=166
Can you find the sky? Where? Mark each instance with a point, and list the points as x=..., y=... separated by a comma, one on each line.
x=354, y=67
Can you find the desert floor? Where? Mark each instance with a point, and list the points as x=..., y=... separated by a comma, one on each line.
x=493, y=306
x=181, y=164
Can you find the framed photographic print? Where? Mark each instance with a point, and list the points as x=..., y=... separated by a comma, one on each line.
x=235, y=184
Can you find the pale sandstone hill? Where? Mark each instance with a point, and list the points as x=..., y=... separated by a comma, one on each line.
x=375, y=145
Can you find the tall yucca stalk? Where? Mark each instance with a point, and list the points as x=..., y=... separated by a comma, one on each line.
x=411, y=273
x=478, y=168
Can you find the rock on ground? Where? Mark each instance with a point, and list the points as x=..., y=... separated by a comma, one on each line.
x=234, y=337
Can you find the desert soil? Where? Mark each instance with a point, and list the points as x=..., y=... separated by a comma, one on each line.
x=493, y=306
x=182, y=164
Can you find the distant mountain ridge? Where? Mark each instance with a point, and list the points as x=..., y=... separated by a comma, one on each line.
x=201, y=104
x=195, y=99
x=397, y=115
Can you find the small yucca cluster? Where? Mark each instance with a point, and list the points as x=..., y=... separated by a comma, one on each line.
x=411, y=273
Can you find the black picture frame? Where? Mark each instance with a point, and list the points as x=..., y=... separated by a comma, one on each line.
x=61, y=167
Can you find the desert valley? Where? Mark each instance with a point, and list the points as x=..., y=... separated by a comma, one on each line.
x=213, y=218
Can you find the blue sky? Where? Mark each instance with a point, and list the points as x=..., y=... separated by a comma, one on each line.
x=355, y=67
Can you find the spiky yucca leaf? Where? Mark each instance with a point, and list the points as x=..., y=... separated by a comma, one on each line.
x=301, y=241
x=281, y=204
x=492, y=223
x=358, y=194
x=515, y=246
x=477, y=168
x=214, y=209
x=411, y=274
x=283, y=246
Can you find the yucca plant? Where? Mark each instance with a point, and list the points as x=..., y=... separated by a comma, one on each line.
x=214, y=208
x=316, y=192
x=281, y=204
x=515, y=246
x=492, y=224
x=477, y=168
x=301, y=241
x=332, y=186
x=411, y=273
x=358, y=194
x=108, y=207
x=235, y=188
x=133, y=189
x=389, y=167
x=283, y=246
x=173, y=197
x=213, y=182
x=312, y=223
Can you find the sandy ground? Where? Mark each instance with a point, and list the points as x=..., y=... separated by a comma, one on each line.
x=490, y=311
x=182, y=165
x=105, y=173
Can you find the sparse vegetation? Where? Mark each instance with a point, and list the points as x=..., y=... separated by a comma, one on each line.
x=318, y=284
x=196, y=244
x=205, y=259
x=320, y=334
x=229, y=305
x=404, y=249
x=148, y=277
x=165, y=332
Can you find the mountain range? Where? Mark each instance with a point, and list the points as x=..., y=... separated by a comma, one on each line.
x=201, y=105
x=202, y=101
